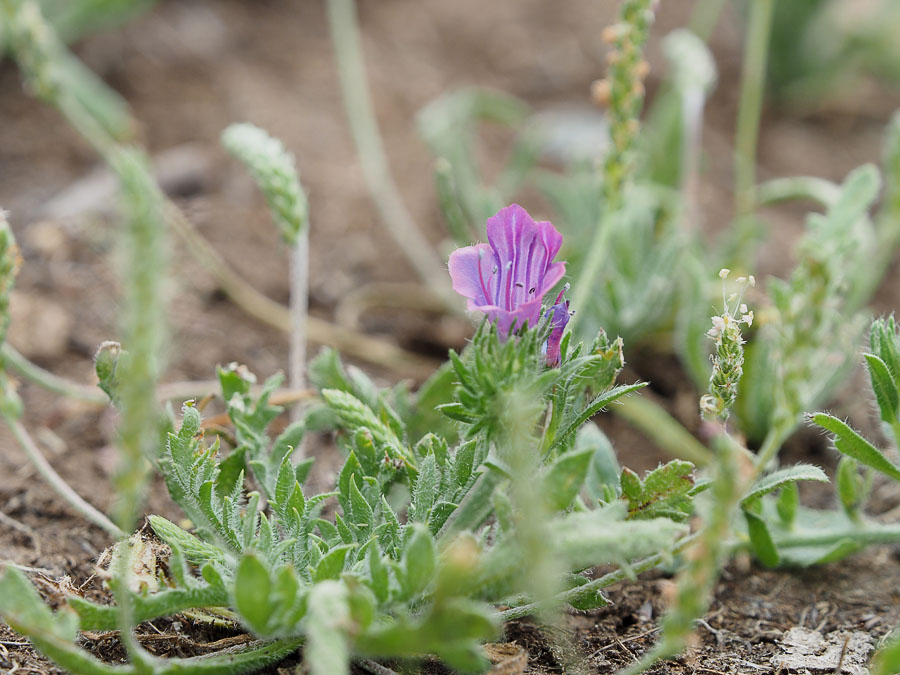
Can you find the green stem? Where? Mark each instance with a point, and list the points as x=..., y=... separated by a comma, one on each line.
x=54, y=383
x=606, y=580
x=372, y=156
x=753, y=79
x=654, y=422
x=34, y=454
x=772, y=443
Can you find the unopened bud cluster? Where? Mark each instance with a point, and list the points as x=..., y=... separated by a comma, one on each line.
x=728, y=357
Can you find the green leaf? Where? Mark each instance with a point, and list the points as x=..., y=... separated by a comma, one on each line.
x=883, y=341
x=593, y=408
x=782, y=477
x=194, y=548
x=234, y=380
x=148, y=607
x=887, y=660
x=564, y=478
x=853, y=445
x=787, y=505
x=360, y=511
x=849, y=485
x=286, y=442
x=252, y=587
x=419, y=561
x=761, y=540
x=332, y=563
x=884, y=387
x=604, y=467
x=452, y=630
x=425, y=490
x=463, y=464
x=22, y=608
x=632, y=488
x=302, y=469
x=231, y=470
x=589, y=600
x=351, y=468
x=666, y=491
x=378, y=575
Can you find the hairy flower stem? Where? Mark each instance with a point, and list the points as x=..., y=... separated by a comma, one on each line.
x=753, y=79
x=361, y=116
x=625, y=98
x=704, y=558
x=48, y=473
x=520, y=448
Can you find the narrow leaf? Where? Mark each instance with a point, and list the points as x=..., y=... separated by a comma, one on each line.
x=782, y=477
x=853, y=445
x=885, y=390
x=761, y=540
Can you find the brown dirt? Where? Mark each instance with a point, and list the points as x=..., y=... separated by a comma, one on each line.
x=189, y=69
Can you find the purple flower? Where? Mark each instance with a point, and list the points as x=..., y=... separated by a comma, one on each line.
x=507, y=278
x=557, y=316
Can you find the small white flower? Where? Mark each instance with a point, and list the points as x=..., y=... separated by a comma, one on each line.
x=724, y=272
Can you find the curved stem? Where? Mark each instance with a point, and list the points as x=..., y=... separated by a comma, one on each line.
x=164, y=392
x=50, y=381
x=33, y=452
x=361, y=117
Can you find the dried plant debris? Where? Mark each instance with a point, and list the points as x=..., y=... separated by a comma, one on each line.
x=805, y=650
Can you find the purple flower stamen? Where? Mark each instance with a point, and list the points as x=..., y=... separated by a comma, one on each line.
x=519, y=256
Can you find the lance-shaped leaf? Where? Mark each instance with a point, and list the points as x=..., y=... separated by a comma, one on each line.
x=593, y=408
x=252, y=588
x=885, y=389
x=779, y=479
x=761, y=539
x=847, y=441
